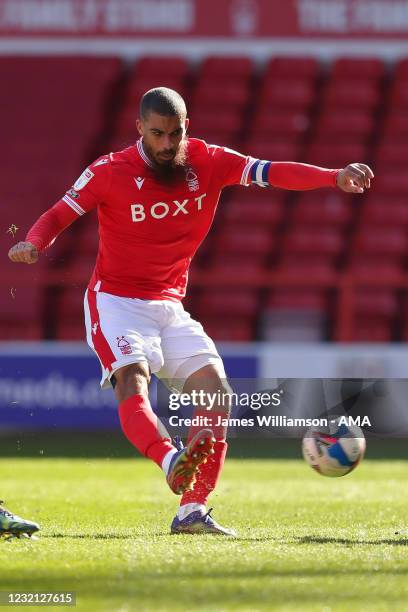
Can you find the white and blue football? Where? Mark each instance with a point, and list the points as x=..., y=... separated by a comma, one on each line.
x=335, y=452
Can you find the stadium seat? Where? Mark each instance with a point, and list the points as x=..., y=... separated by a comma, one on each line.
x=329, y=208
x=313, y=269
x=384, y=212
x=221, y=67
x=235, y=95
x=396, y=126
x=234, y=270
x=235, y=239
x=289, y=124
x=311, y=241
x=375, y=302
x=391, y=153
x=325, y=152
x=306, y=68
x=376, y=267
x=393, y=182
x=358, y=125
x=288, y=94
x=251, y=213
x=232, y=329
x=372, y=329
x=175, y=67
x=341, y=95
x=358, y=69
x=294, y=315
x=390, y=242
x=273, y=150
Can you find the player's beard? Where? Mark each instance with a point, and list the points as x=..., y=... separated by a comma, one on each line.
x=173, y=170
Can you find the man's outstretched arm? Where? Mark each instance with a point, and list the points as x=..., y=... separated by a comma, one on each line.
x=354, y=178
x=43, y=233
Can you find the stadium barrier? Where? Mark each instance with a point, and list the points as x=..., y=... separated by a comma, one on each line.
x=55, y=386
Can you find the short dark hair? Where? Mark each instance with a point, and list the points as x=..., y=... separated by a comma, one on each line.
x=163, y=101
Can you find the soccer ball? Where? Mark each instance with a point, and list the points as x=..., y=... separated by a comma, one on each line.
x=334, y=452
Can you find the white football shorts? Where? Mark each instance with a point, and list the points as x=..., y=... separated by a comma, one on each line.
x=122, y=330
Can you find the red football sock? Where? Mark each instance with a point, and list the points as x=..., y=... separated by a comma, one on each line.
x=210, y=472
x=208, y=477
x=143, y=429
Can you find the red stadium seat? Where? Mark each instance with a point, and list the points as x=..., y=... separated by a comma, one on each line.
x=327, y=209
x=158, y=66
x=300, y=299
x=394, y=182
x=383, y=212
x=311, y=268
x=334, y=154
x=401, y=70
x=357, y=124
x=396, y=126
x=359, y=69
x=234, y=239
x=234, y=270
x=371, y=268
x=391, y=153
x=232, y=329
x=225, y=302
x=288, y=94
x=376, y=302
x=291, y=124
x=399, y=96
x=381, y=241
x=311, y=241
x=351, y=95
x=235, y=95
x=272, y=150
x=220, y=67
x=211, y=121
x=251, y=213
x=372, y=329
x=306, y=68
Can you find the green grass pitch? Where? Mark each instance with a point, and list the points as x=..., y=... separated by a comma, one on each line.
x=306, y=542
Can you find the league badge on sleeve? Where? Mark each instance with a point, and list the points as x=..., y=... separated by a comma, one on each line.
x=83, y=179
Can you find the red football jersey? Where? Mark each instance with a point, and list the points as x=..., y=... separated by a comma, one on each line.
x=149, y=231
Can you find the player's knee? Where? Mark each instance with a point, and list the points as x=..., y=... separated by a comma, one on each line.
x=217, y=391
x=225, y=391
x=131, y=380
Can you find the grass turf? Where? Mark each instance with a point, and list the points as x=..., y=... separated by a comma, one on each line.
x=306, y=542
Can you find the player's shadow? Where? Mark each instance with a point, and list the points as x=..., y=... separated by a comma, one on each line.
x=349, y=541
x=92, y=536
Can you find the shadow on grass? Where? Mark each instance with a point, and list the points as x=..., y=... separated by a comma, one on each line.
x=113, y=445
x=350, y=541
x=185, y=538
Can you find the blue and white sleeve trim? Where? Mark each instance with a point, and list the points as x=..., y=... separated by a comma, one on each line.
x=74, y=205
x=259, y=173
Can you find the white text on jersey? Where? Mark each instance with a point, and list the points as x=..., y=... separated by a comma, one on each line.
x=159, y=210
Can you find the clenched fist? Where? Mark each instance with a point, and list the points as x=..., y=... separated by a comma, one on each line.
x=355, y=178
x=24, y=252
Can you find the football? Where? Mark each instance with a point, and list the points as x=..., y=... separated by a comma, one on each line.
x=336, y=451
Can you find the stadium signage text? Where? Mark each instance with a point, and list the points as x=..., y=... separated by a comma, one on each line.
x=194, y=19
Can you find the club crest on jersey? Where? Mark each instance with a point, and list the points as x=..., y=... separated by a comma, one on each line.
x=73, y=194
x=124, y=346
x=192, y=179
x=83, y=179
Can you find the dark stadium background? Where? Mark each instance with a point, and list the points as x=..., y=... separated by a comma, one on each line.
x=317, y=279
